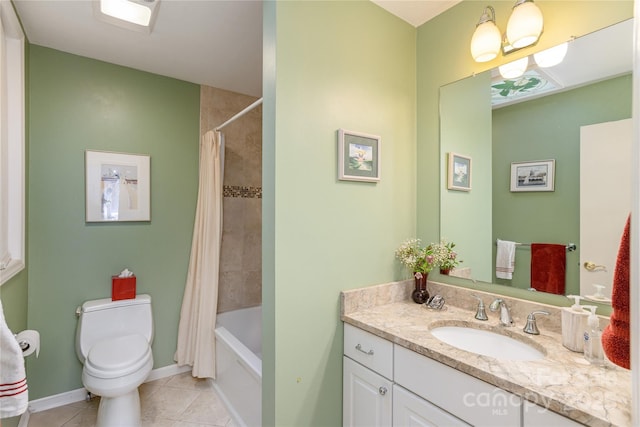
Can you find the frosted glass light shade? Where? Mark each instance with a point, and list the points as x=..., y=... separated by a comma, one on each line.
x=486, y=42
x=525, y=25
x=552, y=56
x=514, y=69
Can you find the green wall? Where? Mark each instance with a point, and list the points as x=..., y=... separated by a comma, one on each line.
x=337, y=65
x=548, y=128
x=78, y=104
x=269, y=31
x=443, y=57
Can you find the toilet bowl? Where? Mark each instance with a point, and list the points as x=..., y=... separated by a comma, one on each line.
x=113, y=342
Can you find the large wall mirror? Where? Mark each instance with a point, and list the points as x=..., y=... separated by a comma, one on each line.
x=550, y=160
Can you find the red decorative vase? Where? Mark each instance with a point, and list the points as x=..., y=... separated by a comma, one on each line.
x=420, y=295
x=445, y=271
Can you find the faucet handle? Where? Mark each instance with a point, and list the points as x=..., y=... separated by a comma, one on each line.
x=481, y=314
x=495, y=305
x=531, y=327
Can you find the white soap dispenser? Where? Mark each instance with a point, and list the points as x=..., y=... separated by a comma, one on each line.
x=574, y=323
x=599, y=294
x=593, y=339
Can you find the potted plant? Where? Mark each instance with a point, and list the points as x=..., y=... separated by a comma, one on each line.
x=420, y=261
x=444, y=256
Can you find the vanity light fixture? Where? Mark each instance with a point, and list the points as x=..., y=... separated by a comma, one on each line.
x=486, y=40
x=136, y=15
x=525, y=24
x=552, y=56
x=514, y=69
x=523, y=29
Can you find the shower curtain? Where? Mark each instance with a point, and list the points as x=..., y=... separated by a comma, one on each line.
x=196, y=343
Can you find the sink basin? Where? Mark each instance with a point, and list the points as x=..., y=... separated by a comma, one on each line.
x=486, y=343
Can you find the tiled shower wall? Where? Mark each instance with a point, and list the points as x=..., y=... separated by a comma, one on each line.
x=241, y=257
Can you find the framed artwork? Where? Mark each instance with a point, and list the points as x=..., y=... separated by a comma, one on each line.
x=533, y=176
x=459, y=172
x=117, y=187
x=358, y=156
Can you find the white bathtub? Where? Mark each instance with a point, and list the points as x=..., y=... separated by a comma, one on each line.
x=238, y=380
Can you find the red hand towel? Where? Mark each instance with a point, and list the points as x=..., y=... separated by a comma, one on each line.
x=548, y=267
x=615, y=338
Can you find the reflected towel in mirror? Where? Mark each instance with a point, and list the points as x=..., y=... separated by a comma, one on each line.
x=548, y=267
x=505, y=259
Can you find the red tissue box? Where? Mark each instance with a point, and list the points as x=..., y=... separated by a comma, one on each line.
x=123, y=288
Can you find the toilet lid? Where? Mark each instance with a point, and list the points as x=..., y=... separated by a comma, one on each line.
x=119, y=356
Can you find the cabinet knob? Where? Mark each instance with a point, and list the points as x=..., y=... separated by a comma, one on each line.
x=382, y=391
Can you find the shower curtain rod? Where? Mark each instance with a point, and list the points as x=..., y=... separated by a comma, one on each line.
x=240, y=114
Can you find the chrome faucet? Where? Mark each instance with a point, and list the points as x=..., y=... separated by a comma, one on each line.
x=505, y=314
x=531, y=327
x=480, y=313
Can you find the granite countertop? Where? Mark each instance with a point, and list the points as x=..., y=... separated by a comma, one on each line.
x=563, y=381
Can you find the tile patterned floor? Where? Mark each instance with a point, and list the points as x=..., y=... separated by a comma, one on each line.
x=178, y=401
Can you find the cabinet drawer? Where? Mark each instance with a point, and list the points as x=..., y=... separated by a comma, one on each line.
x=371, y=351
x=470, y=399
x=537, y=416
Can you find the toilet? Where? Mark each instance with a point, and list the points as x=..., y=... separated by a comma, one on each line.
x=113, y=342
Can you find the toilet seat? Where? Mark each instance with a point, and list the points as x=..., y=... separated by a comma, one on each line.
x=117, y=357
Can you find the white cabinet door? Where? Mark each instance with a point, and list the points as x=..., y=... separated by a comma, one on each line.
x=537, y=416
x=410, y=410
x=367, y=397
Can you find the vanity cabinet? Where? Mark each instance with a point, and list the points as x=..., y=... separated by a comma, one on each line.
x=367, y=379
x=385, y=384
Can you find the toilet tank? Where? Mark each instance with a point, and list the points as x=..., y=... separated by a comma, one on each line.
x=101, y=319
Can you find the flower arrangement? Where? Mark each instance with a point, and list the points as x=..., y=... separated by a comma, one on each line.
x=444, y=256
x=419, y=259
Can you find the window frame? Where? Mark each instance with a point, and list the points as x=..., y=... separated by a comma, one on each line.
x=12, y=142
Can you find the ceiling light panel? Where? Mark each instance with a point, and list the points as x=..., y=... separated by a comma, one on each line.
x=136, y=15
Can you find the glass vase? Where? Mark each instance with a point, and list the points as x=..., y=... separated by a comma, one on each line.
x=420, y=295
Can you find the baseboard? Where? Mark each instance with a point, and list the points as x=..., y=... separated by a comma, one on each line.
x=56, y=400
x=167, y=371
x=80, y=394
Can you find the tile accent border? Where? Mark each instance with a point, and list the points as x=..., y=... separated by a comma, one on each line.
x=242, y=191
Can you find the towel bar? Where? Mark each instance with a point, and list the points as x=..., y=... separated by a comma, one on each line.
x=570, y=246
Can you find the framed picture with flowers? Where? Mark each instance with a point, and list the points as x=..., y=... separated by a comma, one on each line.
x=459, y=172
x=358, y=156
